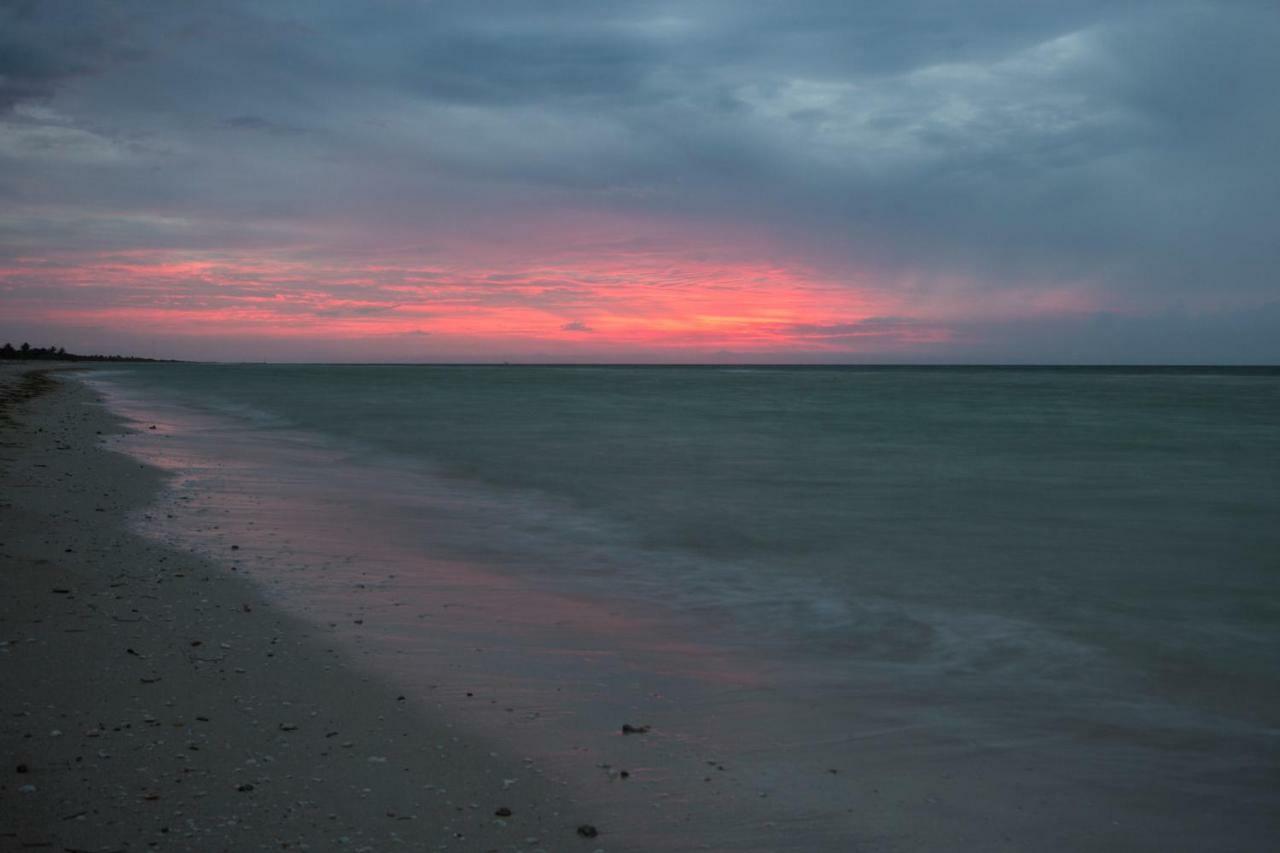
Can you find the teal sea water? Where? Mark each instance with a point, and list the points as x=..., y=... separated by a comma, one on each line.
x=1084, y=556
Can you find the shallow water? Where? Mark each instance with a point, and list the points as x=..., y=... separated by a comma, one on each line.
x=995, y=601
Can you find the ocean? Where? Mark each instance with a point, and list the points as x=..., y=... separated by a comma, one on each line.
x=905, y=608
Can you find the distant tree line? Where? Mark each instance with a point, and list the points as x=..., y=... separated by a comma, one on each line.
x=26, y=352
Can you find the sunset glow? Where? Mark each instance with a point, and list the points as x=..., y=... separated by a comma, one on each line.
x=635, y=302
x=455, y=182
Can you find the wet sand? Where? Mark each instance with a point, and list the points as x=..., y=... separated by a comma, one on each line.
x=154, y=701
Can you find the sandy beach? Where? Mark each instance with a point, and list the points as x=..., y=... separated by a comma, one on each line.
x=153, y=702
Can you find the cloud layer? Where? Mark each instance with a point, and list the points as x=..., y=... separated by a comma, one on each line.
x=915, y=180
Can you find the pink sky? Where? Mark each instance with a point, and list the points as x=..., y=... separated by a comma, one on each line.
x=803, y=181
x=563, y=288
x=596, y=303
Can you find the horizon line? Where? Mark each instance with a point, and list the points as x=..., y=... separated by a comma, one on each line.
x=734, y=364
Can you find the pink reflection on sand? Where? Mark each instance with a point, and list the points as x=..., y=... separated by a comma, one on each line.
x=334, y=545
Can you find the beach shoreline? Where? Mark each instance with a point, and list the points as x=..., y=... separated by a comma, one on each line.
x=228, y=633
x=155, y=701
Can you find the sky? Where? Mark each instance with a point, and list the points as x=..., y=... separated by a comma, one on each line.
x=919, y=181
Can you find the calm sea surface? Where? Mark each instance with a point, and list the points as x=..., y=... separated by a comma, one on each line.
x=1089, y=558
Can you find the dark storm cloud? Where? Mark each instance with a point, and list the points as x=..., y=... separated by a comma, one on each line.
x=45, y=45
x=26, y=73
x=258, y=123
x=873, y=327
x=1126, y=146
